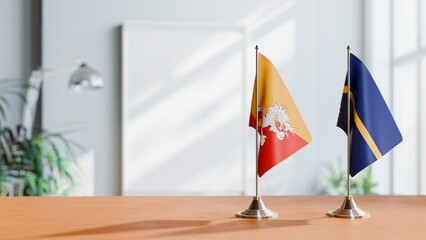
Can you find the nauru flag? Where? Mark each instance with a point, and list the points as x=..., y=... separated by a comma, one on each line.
x=373, y=131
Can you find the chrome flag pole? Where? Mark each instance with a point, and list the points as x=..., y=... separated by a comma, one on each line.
x=348, y=209
x=257, y=208
x=257, y=127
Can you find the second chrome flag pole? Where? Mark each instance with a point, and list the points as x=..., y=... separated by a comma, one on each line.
x=348, y=209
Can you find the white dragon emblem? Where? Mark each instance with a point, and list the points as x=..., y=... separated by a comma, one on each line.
x=276, y=113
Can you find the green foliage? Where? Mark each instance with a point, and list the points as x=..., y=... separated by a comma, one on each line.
x=37, y=166
x=334, y=181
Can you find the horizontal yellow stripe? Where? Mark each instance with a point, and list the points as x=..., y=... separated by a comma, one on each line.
x=362, y=129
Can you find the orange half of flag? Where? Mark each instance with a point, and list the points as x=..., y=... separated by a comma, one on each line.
x=280, y=125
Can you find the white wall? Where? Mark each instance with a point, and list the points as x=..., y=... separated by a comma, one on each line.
x=305, y=39
x=395, y=57
x=15, y=47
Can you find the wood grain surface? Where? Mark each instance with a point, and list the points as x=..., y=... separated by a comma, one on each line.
x=300, y=217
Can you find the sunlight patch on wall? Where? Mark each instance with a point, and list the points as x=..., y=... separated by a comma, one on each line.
x=218, y=43
x=266, y=12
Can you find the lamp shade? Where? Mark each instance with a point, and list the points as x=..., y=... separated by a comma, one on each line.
x=86, y=77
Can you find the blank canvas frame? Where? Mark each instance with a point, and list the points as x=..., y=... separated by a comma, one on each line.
x=184, y=108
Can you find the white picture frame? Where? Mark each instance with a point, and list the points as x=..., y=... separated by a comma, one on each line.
x=184, y=110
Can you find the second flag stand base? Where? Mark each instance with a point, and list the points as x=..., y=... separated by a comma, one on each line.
x=257, y=209
x=348, y=209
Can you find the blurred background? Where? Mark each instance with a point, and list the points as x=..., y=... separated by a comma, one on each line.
x=172, y=116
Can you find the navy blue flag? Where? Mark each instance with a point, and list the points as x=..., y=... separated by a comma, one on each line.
x=373, y=131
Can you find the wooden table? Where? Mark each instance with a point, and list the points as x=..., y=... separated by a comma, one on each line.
x=392, y=217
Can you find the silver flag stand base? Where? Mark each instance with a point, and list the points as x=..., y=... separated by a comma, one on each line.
x=348, y=209
x=257, y=209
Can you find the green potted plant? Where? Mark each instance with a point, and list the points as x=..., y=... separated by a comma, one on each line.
x=40, y=164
